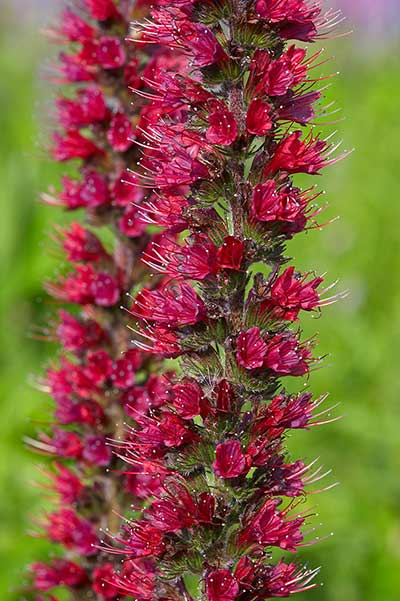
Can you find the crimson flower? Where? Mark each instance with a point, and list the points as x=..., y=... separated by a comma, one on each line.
x=294, y=155
x=229, y=460
x=258, y=118
x=290, y=293
x=103, y=585
x=179, y=304
x=188, y=399
x=269, y=528
x=222, y=129
x=58, y=572
x=282, y=353
x=221, y=586
x=65, y=527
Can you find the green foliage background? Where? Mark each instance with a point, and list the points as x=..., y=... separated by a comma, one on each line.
x=361, y=562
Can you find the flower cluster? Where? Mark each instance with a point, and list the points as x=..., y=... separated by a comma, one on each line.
x=99, y=379
x=220, y=172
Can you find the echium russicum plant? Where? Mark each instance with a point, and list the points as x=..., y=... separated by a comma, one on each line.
x=221, y=181
x=99, y=380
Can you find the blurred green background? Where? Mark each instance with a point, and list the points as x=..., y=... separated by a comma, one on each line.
x=361, y=562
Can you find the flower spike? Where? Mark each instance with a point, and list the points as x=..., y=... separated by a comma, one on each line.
x=221, y=163
x=100, y=380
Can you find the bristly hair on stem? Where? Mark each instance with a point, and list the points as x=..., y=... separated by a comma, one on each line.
x=220, y=166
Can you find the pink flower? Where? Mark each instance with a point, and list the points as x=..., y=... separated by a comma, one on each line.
x=188, y=399
x=225, y=201
x=222, y=128
x=205, y=508
x=173, y=514
x=85, y=286
x=221, y=586
x=104, y=290
x=278, y=79
x=266, y=201
x=158, y=389
x=92, y=192
x=287, y=412
x=230, y=254
x=76, y=335
x=123, y=371
x=295, y=19
x=130, y=223
x=97, y=369
x=66, y=484
x=56, y=573
x=143, y=486
x=81, y=245
x=73, y=146
x=195, y=262
x=169, y=431
x=74, y=533
x=89, y=107
x=110, y=53
x=225, y=397
x=178, y=304
x=120, y=134
x=159, y=340
x=125, y=190
x=69, y=411
x=286, y=478
x=137, y=578
x=285, y=579
x=96, y=451
x=280, y=580
x=98, y=372
x=284, y=205
x=164, y=210
x=102, y=585
x=143, y=540
x=202, y=44
x=88, y=54
x=66, y=444
x=269, y=528
x=282, y=353
x=251, y=349
x=132, y=77
x=286, y=72
x=176, y=160
x=286, y=356
x=73, y=27
x=101, y=9
x=290, y=293
x=258, y=120
x=229, y=460
x=72, y=70
x=293, y=155
x=299, y=109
